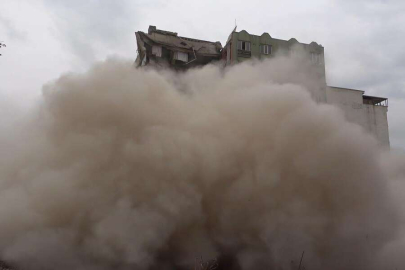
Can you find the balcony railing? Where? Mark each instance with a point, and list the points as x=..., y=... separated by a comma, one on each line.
x=243, y=53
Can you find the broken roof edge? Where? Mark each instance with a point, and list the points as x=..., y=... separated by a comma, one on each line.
x=153, y=29
x=200, y=40
x=149, y=39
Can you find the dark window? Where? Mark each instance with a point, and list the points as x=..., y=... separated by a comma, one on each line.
x=244, y=45
x=265, y=49
x=317, y=58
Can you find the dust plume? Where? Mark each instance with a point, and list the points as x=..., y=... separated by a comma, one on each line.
x=138, y=169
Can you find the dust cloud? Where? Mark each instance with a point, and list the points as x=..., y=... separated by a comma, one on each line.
x=123, y=168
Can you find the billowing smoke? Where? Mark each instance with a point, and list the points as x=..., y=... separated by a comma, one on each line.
x=139, y=169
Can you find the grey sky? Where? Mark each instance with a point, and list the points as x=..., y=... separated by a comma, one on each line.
x=363, y=39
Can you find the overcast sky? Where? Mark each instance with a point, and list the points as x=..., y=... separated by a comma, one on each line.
x=364, y=40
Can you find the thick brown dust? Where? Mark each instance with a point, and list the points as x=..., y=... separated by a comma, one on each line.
x=138, y=169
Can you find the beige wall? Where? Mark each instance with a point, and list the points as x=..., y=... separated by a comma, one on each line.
x=371, y=117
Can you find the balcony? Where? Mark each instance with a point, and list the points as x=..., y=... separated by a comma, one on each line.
x=376, y=101
x=243, y=53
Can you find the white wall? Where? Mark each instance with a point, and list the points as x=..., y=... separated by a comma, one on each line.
x=372, y=118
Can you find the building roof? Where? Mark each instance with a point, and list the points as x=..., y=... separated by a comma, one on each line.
x=350, y=89
x=290, y=41
x=371, y=100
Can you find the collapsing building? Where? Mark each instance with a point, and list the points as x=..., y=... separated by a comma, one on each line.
x=161, y=48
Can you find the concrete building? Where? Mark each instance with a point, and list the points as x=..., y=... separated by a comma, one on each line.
x=242, y=46
x=367, y=111
x=162, y=48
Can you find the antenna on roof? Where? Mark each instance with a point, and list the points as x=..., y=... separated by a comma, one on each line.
x=235, y=27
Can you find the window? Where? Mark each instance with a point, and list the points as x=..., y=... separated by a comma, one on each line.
x=317, y=58
x=244, y=45
x=294, y=53
x=265, y=49
x=157, y=50
x=181, y=56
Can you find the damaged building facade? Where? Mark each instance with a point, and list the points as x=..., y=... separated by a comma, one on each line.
x=165, y=48
x=162, y=48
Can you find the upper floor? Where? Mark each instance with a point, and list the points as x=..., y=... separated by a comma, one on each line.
x=165, y=48
x=242, y=46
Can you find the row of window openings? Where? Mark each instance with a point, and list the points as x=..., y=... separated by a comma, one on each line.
x=181, y=56
x=245, y=46
x=266, y=49
x=242, y=45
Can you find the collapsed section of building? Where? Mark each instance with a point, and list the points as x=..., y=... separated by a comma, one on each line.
x=162, y=48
